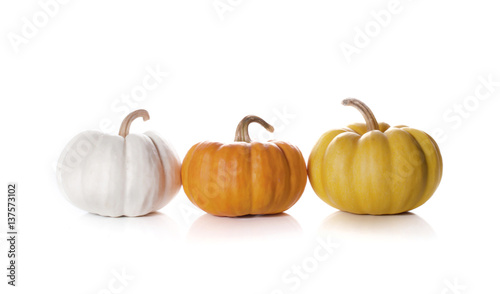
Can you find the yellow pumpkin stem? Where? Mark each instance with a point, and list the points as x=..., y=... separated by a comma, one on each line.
x=127, y=121
x=242, y=128
x=371, y=122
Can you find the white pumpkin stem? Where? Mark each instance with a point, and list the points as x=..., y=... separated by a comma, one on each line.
x=371, y=122
x=242, y=128
x=127, y=121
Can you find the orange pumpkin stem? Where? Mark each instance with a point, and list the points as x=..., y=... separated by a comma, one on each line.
x=242, y=128
x=127, y=121
x=371, y=122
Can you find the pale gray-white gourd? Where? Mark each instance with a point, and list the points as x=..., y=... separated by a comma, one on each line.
x=124, y=175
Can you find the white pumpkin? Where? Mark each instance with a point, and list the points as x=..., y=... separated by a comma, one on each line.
x=125, y=175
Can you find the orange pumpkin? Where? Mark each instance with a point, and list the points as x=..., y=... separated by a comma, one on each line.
x=244, y=177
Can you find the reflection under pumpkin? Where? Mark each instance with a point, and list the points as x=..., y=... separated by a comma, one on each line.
x=155, y=226
x=398, y=227
x=211, y=228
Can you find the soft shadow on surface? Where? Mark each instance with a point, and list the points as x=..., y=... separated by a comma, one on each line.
x=400, y=227
x=155, y=225
x=209, y=228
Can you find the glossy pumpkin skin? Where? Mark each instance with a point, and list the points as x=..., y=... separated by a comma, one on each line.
x=386, y=171
x=243, y=178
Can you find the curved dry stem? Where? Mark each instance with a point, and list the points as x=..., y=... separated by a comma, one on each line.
x=371, y=122
x=127, y=121
x=242, y=128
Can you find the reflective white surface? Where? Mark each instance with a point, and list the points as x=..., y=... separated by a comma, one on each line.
x=208, y=228
x=406, y=227
x=282, y=61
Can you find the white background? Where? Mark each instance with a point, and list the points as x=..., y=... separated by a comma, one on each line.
x=265, y=58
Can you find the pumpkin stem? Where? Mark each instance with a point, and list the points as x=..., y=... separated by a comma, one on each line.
x=242, y=128
x=127, y=121
x=371, y=122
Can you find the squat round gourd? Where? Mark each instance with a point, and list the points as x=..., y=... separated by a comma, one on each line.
x=125, y=175
x=244, y=177
x=373, y=168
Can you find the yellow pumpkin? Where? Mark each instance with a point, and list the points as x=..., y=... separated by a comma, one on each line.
x=244, y=177
x=373, y=168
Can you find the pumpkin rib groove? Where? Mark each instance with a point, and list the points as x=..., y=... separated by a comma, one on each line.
x=126, y=171
x=331, y=195
x=392, y=171
x=324, y=175
x=296, y=188
x=250, y=172
x=356, y=202
x=437, y=151
x=424, y=162
x=189, y=169
x=276, y=168
x=290, y=188
x=287, y=184
x=162, y=175
x=433, y=183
